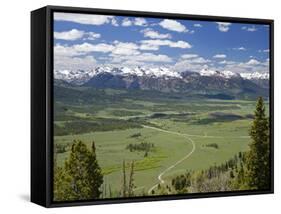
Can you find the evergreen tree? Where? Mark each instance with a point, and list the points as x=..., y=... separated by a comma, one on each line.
x=257, y=162
x=81, y=177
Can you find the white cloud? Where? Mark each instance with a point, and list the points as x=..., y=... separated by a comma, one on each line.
x=226, y=62
x=101, y=47
x=240, y=49
x=252, y=65
x=83, y=18
x=219, y=56
x=140, y=58
x=75, y=34
x=117, y=48
x=118, y=52
x=149, y=57
x=114, y=22
x=92, y=36
x=148, y=32
x=191, y=62
x=189, y=56
x=197, y=25
x=250, y=29
x=223, y=26
x=125, y=48
x=189, y=65
x=64, y=50
x=140, y=22
x=253, y=62
x=71, y=35
x=173, y=25
x=78, y=56
x=74, y=63
x=154, y=44
x=264, y=51
x=81, y=49
x=126, y=22
x=200, y=60
x=137, y=22
x=149, y=47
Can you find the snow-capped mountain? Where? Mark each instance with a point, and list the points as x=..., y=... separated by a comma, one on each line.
x=255, y=75
x=77, y=77
x=81, y=76
x=166, y=79
x=224, y=74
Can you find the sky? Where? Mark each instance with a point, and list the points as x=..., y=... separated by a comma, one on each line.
x=85, y=41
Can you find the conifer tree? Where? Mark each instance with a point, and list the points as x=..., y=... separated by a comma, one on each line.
x=81, y=177
x=257, y=162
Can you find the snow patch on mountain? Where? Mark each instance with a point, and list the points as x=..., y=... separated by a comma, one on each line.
x=207, y=72
x=255, y=75
x=224, y=74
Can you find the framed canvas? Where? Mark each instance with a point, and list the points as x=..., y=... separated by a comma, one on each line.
x=134, y=106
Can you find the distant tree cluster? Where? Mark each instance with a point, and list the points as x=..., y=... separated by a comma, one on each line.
x=212, y=145
x=123, y=113
x=143, y=146
x=136, y=135
x=84, y=126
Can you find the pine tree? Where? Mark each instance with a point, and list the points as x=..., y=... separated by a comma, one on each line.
x=81, y=177
x=257, y=162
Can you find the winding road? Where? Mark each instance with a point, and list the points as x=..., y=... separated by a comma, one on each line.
x=161, y=180
x=186, y=136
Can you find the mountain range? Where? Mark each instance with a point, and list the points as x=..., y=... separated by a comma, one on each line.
x=167, y=80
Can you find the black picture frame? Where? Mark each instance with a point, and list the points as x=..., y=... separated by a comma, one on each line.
x=42, y=104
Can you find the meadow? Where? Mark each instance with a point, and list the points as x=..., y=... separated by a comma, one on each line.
x=187, y=132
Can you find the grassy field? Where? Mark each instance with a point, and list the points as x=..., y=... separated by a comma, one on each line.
x=114, y=124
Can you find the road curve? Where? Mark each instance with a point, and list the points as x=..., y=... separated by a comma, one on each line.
x=161, y=180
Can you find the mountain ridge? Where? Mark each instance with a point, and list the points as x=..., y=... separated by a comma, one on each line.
x=81, y=76
x=162, y=79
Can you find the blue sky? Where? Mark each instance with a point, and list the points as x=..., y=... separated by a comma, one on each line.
x=83, y=41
